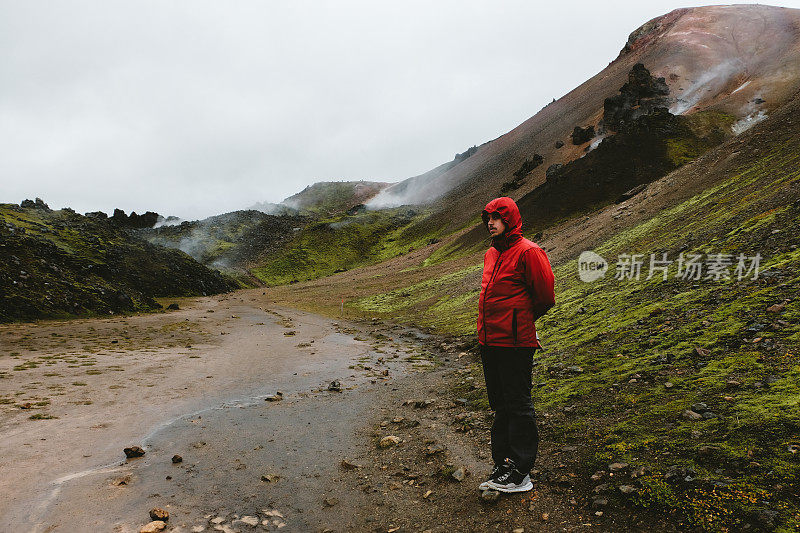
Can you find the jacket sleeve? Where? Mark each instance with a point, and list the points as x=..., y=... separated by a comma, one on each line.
x=539, y=281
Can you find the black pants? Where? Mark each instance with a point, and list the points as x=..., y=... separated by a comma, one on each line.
x=508, y=384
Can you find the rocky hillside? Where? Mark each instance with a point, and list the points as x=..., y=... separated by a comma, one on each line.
x=60, y=263
x=332, y=198
x=713, y=59
x=229, y=242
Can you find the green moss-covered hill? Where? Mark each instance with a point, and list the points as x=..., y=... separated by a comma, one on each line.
x=691, y=384
x=330, y=198
x=60, y=263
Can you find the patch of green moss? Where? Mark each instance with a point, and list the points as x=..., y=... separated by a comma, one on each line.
x=325, y=247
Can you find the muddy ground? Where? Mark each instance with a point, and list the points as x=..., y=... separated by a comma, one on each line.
x=197, y=382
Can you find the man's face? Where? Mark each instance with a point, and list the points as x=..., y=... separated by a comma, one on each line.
x=495, y=225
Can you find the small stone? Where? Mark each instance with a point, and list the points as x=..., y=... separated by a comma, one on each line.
x=545, y=517
x=707, y=450
x=122, y=480
x=603, y=487
x=177, y=459
x=692, y=415
x=599, y=502
x=278, y=396
x=668, y=385
x=157, y=513
x=133, y=451
x=618, y=467
x=627, y=489
x=270, y=478
x=198, y=529
x=346, y=464
x=218, y=520
x=518, y=530
x=153, y=527
x=335, y=386
x=597, y=476
x=699, y=407
x=459, y=474
x=249, y=520
x=434, y=449
x=330, y=502
x=427, y=494
x=777, y=308
x=490, y=495
x=389, y=441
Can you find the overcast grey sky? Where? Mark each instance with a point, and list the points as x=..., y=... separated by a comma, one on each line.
x=196, y=108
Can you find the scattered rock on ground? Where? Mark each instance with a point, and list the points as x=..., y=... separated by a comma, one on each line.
x=177, y=458
x=335, y=386
x=153, y=527
x=420, y=404
x=389, y=441
x=157, y=513
x=459, y=474
x=133, y=451
x=270, y=478
x=330, y=501
x=249, y=520
x=490, y=495
x=347, y=464
x=692, y=415
x=278, y=396
x=618, y=467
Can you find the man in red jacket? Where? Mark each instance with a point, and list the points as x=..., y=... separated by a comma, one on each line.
x=516, y=289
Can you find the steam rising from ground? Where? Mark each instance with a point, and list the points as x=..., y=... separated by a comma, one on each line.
x=749, y=121
x=713, y=80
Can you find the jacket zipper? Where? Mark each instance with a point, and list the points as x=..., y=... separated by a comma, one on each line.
x=495, y=270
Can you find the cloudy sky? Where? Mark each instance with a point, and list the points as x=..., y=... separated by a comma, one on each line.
x=194, y=108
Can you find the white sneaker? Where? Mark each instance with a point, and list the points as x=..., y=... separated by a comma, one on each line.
x=498, y=471
x=511, y=481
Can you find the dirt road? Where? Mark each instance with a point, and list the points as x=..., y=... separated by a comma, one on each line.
x=196, y=383
x=191, y=382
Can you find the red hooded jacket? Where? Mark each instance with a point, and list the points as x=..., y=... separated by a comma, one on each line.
x=517, y=284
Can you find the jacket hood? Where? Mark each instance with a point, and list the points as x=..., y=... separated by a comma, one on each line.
x=509, y=213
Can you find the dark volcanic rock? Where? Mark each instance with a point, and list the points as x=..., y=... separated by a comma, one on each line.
x=147, y=220
x=37, y=204
x=133, y=451
x=552, y=170
x=641, y=95
x=582, y=135
x=60, y=263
